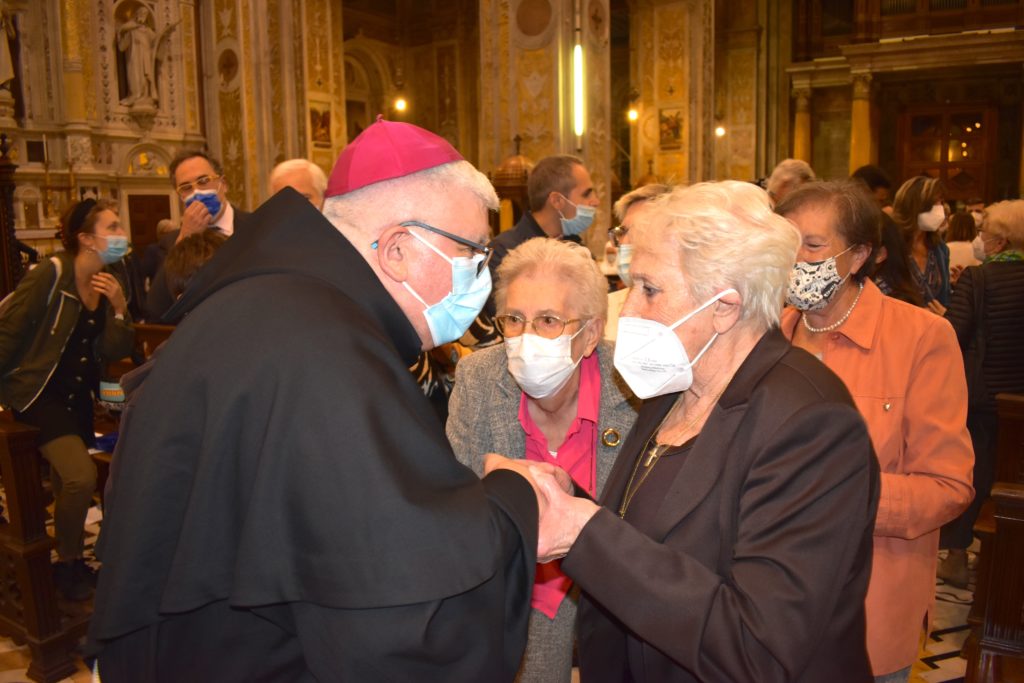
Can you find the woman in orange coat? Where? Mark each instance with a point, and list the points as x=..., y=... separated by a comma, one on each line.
x=902, y=364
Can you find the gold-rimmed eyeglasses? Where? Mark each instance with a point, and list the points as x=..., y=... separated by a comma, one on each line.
x=203, y=182
x=617, y=233
x=547, y=326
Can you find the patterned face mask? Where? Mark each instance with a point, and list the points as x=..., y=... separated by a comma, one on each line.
x=812, y=284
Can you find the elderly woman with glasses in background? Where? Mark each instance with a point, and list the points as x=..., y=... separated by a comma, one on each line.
x=548, y=394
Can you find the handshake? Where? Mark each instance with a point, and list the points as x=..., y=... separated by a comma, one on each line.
x=562, y=515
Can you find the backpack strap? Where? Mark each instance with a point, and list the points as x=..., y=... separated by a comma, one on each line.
x=56, y=279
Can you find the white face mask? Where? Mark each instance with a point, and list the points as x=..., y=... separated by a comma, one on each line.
x=978, y=247
x=930, y=221
x=650, y=357
x=541, y=366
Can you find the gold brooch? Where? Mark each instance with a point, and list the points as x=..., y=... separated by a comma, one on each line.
x=610, y=437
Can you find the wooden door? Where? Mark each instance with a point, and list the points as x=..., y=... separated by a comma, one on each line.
x=144, y=212
x=954, y=143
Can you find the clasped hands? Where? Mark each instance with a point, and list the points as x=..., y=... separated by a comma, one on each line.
x=562, y=516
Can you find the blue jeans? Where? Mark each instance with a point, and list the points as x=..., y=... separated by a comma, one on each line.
x=901, y=676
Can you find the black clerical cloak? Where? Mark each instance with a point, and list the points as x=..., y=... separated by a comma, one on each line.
x=288, y=507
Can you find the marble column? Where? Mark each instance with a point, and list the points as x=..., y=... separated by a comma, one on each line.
x=802, y=125
x=860, y=122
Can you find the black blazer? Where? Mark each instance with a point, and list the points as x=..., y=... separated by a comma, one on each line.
x=756, y=564
x=159, y=299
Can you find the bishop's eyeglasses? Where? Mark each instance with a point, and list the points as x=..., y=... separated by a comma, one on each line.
x=475, y=246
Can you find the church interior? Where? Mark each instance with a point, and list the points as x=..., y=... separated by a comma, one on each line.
x=98, y=96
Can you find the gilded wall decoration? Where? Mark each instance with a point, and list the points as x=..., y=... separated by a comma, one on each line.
x=229, y=72
x=299, y=46
x=447, y=74
x=532, y=25
x=188, y=37
x=278, y=132
x=320, y=124
x=257, y=179
x=741, y=113
x=537, y=118
x=338, y=83
x=671, y=45
x=232, y=122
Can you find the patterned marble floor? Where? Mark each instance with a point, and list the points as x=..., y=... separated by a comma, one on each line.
x=939, y=660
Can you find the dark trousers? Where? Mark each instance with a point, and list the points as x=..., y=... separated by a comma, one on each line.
x=983, y=427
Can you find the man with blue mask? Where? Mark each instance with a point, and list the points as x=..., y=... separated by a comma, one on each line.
x=288, y=507
x=562, y=205
x=202, y=188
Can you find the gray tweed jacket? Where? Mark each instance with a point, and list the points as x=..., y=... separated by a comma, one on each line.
x=484, y=407
x=483, y=417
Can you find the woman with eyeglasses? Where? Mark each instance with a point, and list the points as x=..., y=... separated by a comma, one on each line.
x=734, y=538
x=548, y=394
x=627, y=209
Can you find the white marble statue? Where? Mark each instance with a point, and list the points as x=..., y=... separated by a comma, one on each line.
x=142, y=47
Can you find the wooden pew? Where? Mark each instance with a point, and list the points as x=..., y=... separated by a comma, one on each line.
x=29, y=612
x=995, y=646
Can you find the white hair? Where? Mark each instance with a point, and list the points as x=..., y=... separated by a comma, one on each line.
x=788, y=175
x=316, y=174
x=726, y=236
x=370, y=210
x=567, y=261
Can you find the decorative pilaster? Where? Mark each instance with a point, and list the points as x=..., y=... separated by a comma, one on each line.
x=74, y=78
x=802, y=124
x=10, y=260
x=860, y=122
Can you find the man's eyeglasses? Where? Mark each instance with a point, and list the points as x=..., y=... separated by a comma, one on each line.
x=617, y=233
x=547, y=326
x=475, y=246
x=203, y=182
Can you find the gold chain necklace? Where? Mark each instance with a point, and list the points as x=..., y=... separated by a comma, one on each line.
x=655, y=452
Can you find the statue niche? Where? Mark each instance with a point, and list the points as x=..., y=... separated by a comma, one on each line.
x=140, y=52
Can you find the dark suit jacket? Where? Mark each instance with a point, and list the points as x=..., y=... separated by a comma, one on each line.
x=159, y=299
x=756, y=565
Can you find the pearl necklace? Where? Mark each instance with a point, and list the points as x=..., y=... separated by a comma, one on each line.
x=836, y=324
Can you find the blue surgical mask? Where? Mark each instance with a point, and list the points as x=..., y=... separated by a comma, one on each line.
x=581, y=221
x=622, y=264
x=117, y=247
x=209, y=199
x=450, y=317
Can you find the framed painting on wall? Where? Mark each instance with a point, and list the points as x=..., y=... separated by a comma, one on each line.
x=670, y=128
x=320, y=124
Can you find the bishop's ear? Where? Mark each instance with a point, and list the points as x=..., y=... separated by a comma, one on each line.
x=392, y=252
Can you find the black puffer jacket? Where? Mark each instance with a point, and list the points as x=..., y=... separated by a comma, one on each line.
x=1003, y=318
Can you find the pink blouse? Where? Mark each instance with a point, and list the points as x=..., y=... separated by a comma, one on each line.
x=578, y=456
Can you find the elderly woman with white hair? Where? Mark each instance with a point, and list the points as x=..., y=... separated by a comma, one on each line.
x=987, y=313
x=734, y=537
x=548, y=394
